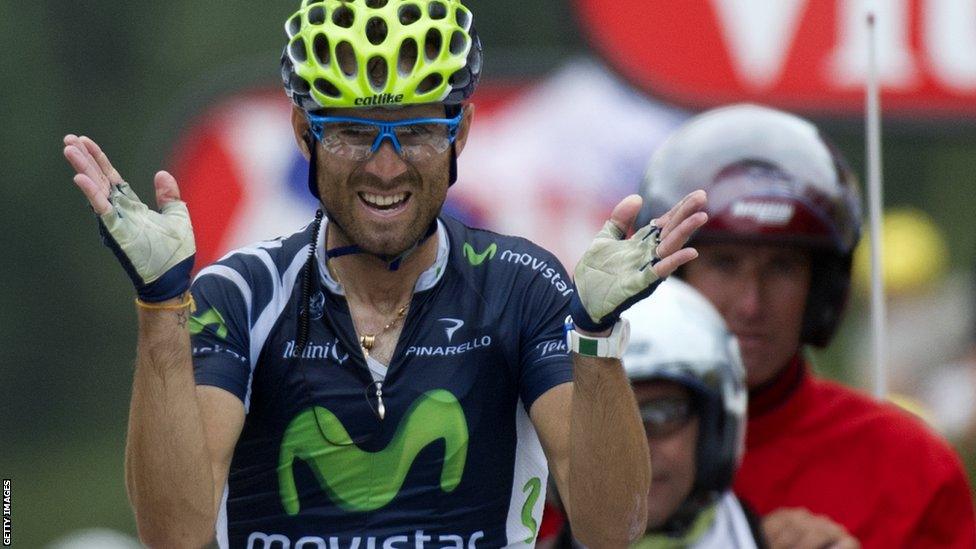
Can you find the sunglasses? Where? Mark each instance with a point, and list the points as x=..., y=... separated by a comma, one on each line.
x=415, y=139
x=663, y=417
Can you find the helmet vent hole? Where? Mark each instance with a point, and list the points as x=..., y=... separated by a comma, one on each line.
x=299, y=84
x=376, y=4
x=378, y=72
x=376, y=31
x=461, y=78
x=430, y=83
x=294, y=25
x=346, y=57
x=458, y=42
x=327, y=88
x=409, y=14
x=437, y=10
x=463, y=18
x=320, y=47
x=432, y=44
x=343, y=17
x=316, y=15
x=297, y=50
x=408, y=56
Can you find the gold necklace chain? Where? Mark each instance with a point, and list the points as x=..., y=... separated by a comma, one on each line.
x=367, y=341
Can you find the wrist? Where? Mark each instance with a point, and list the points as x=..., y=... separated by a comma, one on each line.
x=182, y=302
x=605, y=344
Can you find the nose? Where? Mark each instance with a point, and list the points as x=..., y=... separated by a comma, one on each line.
x=748, y=296
x=386, y=163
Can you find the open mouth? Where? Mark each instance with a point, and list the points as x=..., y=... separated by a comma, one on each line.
x=384, y=203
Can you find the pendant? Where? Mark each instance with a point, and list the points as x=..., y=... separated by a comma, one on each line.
x=366, y=342
x=380, y=408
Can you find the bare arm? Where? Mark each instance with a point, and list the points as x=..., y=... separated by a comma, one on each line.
x=176, y=462
x=180, y=437
x=610, y=466
x=600, y=458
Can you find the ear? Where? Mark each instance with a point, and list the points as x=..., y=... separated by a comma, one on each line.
x=302, y=131
x=465, y=126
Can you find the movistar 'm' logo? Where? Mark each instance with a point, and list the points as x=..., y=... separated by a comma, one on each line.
x=348, y=474
x=534, y=488
x=210, y=317
x=475, y=258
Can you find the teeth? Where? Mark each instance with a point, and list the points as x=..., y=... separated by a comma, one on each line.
x=383, y=201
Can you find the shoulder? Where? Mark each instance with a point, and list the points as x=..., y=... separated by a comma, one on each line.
x=275, y=255
x=255, y=273
x=887, y=427
x=494, y=255
x=266, y=258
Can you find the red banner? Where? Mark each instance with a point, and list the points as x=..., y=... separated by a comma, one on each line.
x=804, y=55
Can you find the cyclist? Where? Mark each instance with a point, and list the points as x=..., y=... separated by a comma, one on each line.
x=821, y=459
x=385, y=376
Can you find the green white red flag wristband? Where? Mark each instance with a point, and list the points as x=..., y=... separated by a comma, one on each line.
x=612, y=346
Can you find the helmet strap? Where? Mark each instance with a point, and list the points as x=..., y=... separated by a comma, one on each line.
x=313, y=165
x=392, y=262
x=450, y=111
x=452, y=176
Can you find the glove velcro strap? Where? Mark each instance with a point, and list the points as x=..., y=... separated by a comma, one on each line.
x=583, y=319
x=173, y=283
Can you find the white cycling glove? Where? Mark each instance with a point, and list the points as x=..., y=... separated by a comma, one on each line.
x=155, y=248
x=613, y=274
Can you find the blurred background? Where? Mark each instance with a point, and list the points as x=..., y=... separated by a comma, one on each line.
x=576, y=96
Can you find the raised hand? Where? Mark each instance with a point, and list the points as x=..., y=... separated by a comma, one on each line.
x=798, y=528
x=616, y=272
x=155, y=248
x=677, y=226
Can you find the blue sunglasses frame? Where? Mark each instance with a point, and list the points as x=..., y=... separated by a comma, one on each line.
x=387, y=128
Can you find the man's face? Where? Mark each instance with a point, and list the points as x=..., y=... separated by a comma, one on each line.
x=761, y=292
x=672, y=443
x=384, y=203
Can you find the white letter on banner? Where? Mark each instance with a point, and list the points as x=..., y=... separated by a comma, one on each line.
x=758, y=35
x=896, y=62
x=950, y=41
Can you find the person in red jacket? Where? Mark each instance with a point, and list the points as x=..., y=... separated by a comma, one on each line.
x=775, y=258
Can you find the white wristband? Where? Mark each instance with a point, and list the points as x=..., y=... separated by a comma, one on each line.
x=612, y=346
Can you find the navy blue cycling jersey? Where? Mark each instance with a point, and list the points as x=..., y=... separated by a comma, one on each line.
x=454, y=462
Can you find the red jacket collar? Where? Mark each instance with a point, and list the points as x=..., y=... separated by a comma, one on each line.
x=775, y=392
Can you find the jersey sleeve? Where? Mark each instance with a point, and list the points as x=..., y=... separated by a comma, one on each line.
x=219, y=330
x=544, y=358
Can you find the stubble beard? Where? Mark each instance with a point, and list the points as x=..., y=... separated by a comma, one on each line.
x=388, y=241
